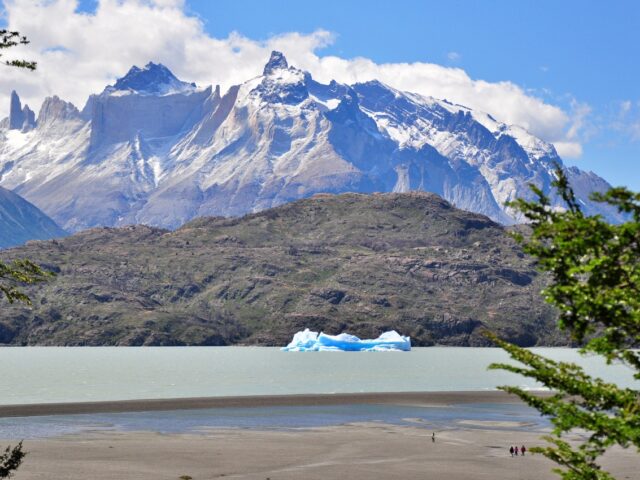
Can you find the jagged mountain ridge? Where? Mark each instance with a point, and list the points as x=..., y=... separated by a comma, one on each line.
x=153, y=149
x=21, y=221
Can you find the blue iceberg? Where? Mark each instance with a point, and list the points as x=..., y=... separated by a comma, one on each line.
x=308, y=341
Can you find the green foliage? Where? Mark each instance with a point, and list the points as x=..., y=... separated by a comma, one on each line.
x=10, y=460
x=20, y=272
x=595, y=285
x=9, y=39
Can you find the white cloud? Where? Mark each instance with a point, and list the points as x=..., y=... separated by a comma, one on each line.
x=628, y=120
x=454, y=56
x=568, y=149
x=79, y=53
x=579, y=125
x=625, y=120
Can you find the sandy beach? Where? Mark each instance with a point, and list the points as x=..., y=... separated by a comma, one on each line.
x=465, y=449
x=361, y=451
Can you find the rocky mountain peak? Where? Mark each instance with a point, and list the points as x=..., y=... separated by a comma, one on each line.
x=54, y=109
x=15, y=112
x=154, y=78
x=282, y=83
x=277, y=61
x=20, y=118
x=28, y=119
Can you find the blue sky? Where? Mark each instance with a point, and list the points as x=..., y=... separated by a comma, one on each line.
x=581, y=56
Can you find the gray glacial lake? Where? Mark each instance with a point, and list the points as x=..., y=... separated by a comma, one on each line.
x=79, y=374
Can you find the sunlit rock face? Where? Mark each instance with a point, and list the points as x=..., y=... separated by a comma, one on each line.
x=157, y=150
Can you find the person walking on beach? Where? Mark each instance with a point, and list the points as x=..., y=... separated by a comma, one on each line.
x=511, y=450
x=433, y=437
x=523, y=450
x=516, y=451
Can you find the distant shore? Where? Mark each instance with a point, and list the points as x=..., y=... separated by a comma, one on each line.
x=397, y=398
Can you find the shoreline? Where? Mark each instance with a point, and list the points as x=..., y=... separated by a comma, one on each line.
x=441, y=398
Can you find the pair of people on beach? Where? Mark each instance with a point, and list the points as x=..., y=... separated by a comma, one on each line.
x=516, y=451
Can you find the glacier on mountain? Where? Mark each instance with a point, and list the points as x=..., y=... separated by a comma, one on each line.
x=156, y=150
x=308, y=341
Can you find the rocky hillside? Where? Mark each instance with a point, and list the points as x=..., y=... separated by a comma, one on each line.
x=21, y=221
x=361, y=263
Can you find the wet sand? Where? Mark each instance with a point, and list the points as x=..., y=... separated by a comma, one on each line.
x=395, y=398
x=464, y=449
x=357, y=451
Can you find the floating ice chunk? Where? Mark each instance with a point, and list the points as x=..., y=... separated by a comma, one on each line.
x=308, y=341
x=303, y=341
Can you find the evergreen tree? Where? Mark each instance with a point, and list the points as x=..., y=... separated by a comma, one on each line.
x=594, y=268
x=9, y=39
x=10, y=460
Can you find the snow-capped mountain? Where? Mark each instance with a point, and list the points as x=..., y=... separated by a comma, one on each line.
x=152, y=79
x=21, y=221
x=153, y=149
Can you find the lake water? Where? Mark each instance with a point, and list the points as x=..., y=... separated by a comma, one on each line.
x=76, y=374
